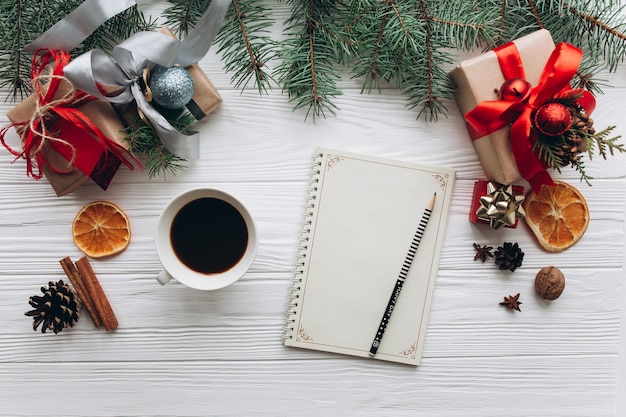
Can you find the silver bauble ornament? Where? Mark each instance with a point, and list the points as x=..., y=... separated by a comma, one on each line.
x=172, y=87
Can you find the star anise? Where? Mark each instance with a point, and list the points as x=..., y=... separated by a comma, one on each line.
x=482, y=252
x=512, y=302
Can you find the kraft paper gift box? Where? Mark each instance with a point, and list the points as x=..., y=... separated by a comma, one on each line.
x=90, y=157
x=479, y=79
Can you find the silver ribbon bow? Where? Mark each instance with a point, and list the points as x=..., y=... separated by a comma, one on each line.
x=502, y=206
x=123, y=70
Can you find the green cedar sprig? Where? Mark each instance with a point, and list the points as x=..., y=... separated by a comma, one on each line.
x=604, y=143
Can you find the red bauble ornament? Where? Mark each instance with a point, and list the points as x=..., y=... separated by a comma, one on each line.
x=515, y=89
x=553, y=119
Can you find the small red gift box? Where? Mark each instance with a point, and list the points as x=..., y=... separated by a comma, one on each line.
x=70, y=155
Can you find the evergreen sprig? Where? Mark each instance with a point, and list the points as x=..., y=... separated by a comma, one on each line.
x=603, y=143
x=23, y=21
x=182, y=15
x=406, y=42
x=549, y=151
x=244, y=41
x=410, y=42
x=245, y=45
x=316, y=45
x=143, y=140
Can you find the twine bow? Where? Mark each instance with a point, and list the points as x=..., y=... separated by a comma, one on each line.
x=490, y=116
x=47, y=70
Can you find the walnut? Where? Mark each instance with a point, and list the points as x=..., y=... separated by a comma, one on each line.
x=549, y=283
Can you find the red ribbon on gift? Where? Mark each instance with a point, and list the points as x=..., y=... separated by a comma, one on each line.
x=490, y=116
x=47, y=67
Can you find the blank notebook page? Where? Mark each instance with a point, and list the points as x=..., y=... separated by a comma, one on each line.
x=363, y=215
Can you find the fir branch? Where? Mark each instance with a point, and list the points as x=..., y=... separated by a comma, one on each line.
x=182, y=15
x=144, y=140
x=115, y=30
x=23, y=21
x=535, y=14
x=14, y=68
x=430, y=84
x=379, y=53
x=602, y=26
x=550, y=152
x=245, y=46
x=314, y=46
x=427, y=100
x=244, y=43
x=579, y=166
x=465, y=24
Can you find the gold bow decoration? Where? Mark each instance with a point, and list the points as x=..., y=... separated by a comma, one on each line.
x=502, y=206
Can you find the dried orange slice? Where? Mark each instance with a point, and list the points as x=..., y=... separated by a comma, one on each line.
x=101, y=229
x=558, y=216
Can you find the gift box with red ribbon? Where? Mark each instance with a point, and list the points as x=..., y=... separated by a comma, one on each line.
x=499, y=93
x=65, y=134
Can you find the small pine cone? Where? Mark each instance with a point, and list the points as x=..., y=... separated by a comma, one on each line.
x=573, y=145
x=56, y=309
x=583, y=124
x=509, y=256
x=574, y=141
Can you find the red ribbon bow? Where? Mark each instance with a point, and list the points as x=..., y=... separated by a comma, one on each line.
x=48, y=67
x=490, y=116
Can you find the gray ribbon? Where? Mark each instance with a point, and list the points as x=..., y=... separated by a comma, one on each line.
x=123, y=70
x=69, y=32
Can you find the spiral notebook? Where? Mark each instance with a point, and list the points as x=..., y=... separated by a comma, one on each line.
x=361, y=215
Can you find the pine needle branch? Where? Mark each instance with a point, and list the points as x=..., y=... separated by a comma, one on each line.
x=602, y=26
x=245, y=45
x=550, y=153
x=579, y=166
x=314, y=46
x=23, y=21
x=144, y=140
x=182, y=15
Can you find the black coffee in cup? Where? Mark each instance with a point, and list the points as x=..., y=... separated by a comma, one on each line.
x=209, y=235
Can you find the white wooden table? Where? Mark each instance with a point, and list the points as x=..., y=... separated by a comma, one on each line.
x=182, y=352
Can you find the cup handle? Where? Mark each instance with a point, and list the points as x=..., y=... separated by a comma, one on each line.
x=163, y=277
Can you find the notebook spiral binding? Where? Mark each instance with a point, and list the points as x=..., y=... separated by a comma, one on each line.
x=303, y=246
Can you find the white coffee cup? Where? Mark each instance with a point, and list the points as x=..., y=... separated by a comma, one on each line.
x=182, y=215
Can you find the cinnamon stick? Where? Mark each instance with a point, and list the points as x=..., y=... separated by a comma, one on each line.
x=79, y=286
x=98, y=297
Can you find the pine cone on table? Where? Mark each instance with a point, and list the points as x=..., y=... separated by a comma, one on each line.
x=509, y=256
x=56, y=309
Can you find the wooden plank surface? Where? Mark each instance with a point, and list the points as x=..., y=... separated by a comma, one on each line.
x=182, y=352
